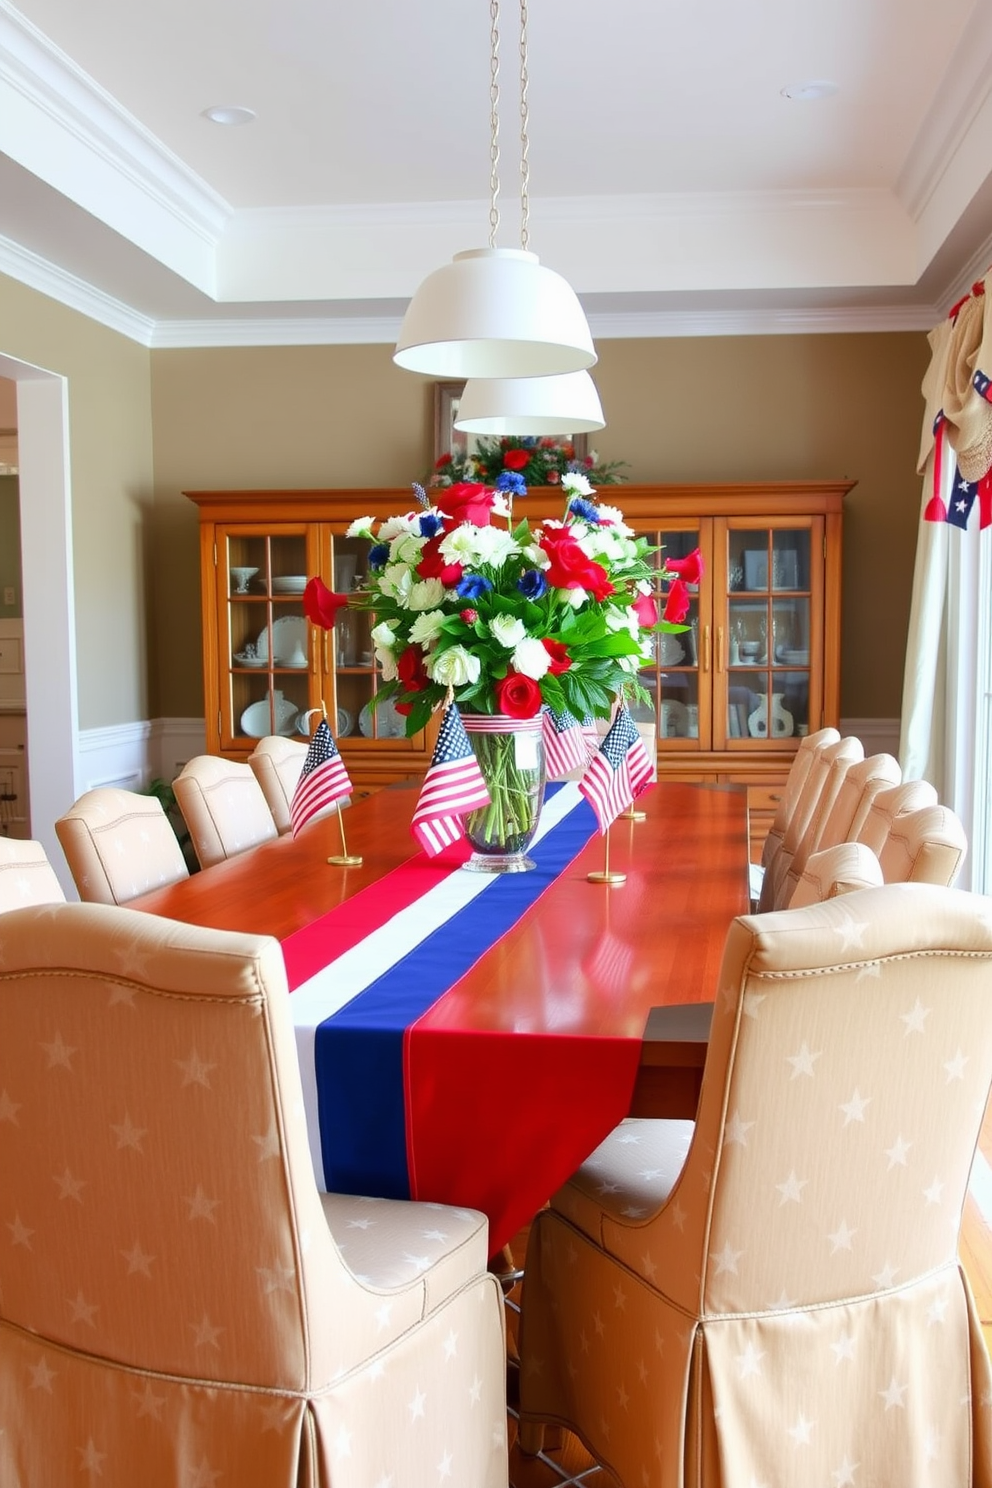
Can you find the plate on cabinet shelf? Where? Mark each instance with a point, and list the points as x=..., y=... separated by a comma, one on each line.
x=289, y=642
x=290, y=584
x=255, y=719
x=385, y=721
x=346, y=723
x=794, y=658
x=244, y=660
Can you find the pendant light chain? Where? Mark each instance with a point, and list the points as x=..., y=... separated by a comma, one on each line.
x=524, y=140
x=493, y=121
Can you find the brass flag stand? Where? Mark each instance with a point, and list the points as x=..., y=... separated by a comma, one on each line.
x=604, y=875
x=343, y=859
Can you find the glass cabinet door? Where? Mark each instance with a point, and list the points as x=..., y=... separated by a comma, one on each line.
x=771, y=582
x=672, y=677
x=268, y=663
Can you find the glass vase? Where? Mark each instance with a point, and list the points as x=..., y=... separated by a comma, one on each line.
x=510, y=754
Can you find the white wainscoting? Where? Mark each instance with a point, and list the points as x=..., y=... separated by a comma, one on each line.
x=130, y=755
x=878, y=735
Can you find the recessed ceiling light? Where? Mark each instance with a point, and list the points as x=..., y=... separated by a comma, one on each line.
x=806, y=92
x=229, y=114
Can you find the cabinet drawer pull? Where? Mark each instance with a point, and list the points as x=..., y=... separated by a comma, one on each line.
x=707, y=646
x=719, y=648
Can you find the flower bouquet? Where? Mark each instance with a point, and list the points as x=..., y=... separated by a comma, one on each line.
x=505, y=618
x=538, y=462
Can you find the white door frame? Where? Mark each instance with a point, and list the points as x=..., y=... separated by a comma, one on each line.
x=49, y=600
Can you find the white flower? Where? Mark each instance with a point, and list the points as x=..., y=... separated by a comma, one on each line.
x=427, y=627
x=387, y=663
x=394, y=525
x=426, y=595
x=535, y=556
x=575, y=597
x=531, y=659
x=474, y=546
x=396, y=581
x=629, y=663
x=406, y=547
x=453, y=667
x=384, y=634
x=508, y=630
x=361, y=528
x=623, y=620
x=576, y=484
x=607, y=542
x=500, y=506
x=615, y=515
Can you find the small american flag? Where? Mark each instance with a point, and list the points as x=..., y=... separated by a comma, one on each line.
x=452, y=787
x=618, y=772
x=565, y=745
x=590, y=734
x=323, y=779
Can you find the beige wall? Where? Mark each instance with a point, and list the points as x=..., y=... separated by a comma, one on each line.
x=740, y=408
x=111, y=476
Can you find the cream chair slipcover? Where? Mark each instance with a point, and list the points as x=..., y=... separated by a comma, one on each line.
x=277, y=764
x=890, y=804
x=773, y=1296
x=223, y=806
x=836, y=870
x=841, y=813
x=26, y=875
x=119, y=844
x=924, y=846
x=816, y=797
x=179, y=1304
x=802, y=760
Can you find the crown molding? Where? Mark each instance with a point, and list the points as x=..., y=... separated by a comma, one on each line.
x=48, y=279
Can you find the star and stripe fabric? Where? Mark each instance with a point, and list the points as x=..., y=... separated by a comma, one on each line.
x=453, y=786
x=323, y=779
x=566, y=746
x=618, y=772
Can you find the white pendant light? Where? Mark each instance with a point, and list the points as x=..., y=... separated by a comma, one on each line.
x=568, y=404
x=497, y=312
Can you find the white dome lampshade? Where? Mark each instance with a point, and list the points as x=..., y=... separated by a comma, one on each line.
x=494, y=312
x=568, y=404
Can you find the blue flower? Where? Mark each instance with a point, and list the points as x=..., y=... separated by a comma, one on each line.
x=511, y=481
x=585, y=510
x=532, y=584
x=378, y=555
x=473, y=586
x=430, y=524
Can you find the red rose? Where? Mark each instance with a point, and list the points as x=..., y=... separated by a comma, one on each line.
x=570, y=568
x=411, y=670
x=690, y=569
x=516, y=459
x=646, y=610
x=560, y=659
x=518, y=696
x=439, y=464
x=433, y=566
x=321, y=606
x=465, y=502
x=677, y=603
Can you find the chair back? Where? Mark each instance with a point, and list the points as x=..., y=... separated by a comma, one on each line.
x=154, y=1153
x=277, y=764
x=848, y=1070
x=890, y=804
x=836, y=870
x=819, y=791
x=26, y=875
x=843, y=806
x=119, y=844
x=924, y=846
x=223, y=807
x=809, y=747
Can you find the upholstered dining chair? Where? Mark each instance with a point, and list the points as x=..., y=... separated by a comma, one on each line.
x=924, y=846
x=180, y=1305
x=223, y=806
x=772, y=1294
x=836, y=870
x=840, y=813
x=816, y=798
x=802, y=760
x=277, y=763
x=26, y=875
x=119, y=844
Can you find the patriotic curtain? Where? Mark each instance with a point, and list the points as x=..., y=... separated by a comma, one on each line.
x=939, y=685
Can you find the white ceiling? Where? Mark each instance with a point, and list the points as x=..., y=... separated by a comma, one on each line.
x=671, y=182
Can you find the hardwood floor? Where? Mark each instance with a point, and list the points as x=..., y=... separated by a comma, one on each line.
x=567, y=1462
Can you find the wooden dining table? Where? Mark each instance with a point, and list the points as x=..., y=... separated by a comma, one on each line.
x=547, y=1035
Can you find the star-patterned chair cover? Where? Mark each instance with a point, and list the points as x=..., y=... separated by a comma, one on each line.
x=179, y=1307
x=119, y=844
x=819, y=790
x=26, y=875
x=223, y=807
x=836, y=870
x=277, y=764
x=796, y=779
x=772, y=1296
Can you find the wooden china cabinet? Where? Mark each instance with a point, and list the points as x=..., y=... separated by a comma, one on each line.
x=731, y=696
